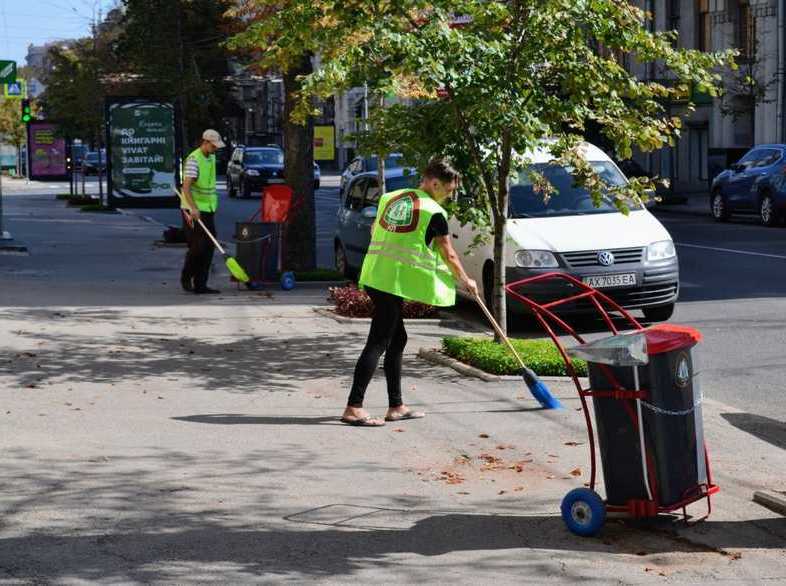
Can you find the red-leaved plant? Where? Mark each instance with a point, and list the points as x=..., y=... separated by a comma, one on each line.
x=352, y=302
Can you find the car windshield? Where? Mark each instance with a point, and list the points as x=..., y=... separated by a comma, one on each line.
x=568, y=199
x=267, y=157
x=390, y=162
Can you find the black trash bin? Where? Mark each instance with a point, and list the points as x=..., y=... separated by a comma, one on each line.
x=257, y=250
x=670, y=416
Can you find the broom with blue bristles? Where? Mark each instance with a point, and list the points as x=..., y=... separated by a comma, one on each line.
x=539, y=390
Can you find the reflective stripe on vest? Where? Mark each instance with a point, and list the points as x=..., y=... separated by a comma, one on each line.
x=203, y=190
x=398, y=260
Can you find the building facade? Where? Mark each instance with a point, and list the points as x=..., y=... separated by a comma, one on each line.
x=722, y=129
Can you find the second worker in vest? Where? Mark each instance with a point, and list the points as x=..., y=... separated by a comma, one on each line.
x=201, y=202
x=410, y=257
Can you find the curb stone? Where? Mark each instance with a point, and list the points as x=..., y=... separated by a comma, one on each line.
x=324, y=312
x=771, y=500
x=436, y=356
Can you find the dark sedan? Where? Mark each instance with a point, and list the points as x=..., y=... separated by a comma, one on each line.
x=251, y=169
x=756, y=184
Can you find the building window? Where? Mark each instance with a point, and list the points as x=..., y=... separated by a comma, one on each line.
x=745, y=33
x=703, y=26
x=673, y=15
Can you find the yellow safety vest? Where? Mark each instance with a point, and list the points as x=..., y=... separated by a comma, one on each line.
x=203, y=190
x=398, y=260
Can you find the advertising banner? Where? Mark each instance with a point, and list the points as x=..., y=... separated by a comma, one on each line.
x=324, y=143
x=142, y=152
x=46, y=152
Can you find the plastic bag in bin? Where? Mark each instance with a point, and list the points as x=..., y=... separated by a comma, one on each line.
x=621, y=350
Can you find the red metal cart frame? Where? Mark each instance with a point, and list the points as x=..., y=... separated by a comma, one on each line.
x=548, y=320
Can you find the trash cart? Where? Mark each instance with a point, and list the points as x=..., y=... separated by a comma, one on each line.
x=647, y=405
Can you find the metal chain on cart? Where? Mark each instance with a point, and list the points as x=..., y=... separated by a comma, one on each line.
x=661, y=411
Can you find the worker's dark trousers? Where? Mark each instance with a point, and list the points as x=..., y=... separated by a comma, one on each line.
x=388, y=336
x=200, y=251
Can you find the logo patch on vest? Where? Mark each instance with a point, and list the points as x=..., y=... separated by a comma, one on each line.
x=402, y=213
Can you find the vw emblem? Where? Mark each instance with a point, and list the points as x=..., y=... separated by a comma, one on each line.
x=605, y=258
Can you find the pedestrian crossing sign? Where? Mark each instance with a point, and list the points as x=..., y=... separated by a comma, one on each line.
x=16, y=90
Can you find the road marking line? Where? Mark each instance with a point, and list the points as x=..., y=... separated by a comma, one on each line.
x=746, y=252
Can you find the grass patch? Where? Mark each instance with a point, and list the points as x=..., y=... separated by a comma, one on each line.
x=541, y=356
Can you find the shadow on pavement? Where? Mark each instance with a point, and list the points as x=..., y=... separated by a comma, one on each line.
x=237, y=419
x=243, y=365
x=766, y=429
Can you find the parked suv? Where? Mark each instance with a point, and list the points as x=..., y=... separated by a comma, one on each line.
x=754, y=184
x=357, y=212
x=251, y=169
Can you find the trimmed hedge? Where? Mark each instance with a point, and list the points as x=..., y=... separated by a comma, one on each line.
x=541, y=356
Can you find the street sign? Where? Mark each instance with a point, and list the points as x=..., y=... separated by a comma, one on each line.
x=16, y=90
x=7, y=71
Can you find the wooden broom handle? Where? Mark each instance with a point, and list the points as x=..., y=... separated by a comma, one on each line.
x=499, y=330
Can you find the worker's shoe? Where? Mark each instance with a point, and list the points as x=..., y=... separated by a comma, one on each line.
x=206, y=291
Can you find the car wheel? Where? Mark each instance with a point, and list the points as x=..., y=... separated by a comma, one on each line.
x=662, y=313
x=719, y=207
x=342, y=264
x=768, y=215
x=231, y=191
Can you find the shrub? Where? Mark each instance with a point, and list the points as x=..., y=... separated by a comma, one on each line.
x=353, y=302
x=541, y=356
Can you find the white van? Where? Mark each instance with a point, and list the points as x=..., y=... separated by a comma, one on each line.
x=632, y=258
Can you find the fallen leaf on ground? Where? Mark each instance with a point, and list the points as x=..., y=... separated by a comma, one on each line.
x=462, y=492
x=398, y=430
x=502, y=492
x=518, y=489
x=575, y=472
x=484, y=435
x=550, y=477
x=574, y=444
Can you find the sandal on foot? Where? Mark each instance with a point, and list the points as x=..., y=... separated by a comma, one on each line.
x=367, y=421
x=405, y=415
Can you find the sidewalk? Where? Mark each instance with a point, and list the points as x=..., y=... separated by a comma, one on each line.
x=152, y=436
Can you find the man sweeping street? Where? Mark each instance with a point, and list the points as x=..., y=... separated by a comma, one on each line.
x=199, y=202
x=410, y=257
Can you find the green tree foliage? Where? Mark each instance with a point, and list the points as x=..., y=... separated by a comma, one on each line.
x=174, y=48
x=487, y=81
x=258, y=44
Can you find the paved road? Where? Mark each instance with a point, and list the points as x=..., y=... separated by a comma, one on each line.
x=733, y=286
x=732, y=289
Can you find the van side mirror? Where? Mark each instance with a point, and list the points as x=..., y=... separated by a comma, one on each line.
x=369, y=212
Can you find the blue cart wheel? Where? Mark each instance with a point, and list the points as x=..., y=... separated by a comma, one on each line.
x=583, y=511
x=288, y=281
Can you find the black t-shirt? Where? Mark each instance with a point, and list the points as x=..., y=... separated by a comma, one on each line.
x=438, y=226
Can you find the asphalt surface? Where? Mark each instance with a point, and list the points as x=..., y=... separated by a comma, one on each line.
x=732, y=289
x=155, y=436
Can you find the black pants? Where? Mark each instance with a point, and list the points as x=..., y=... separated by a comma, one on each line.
x=387, y=335
x=200, y=251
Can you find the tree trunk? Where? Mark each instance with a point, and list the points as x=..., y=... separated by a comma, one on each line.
x=499, y=308
x=300, y=230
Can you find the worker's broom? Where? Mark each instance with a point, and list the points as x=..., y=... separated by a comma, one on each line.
x=539, y=390
x=234, y=267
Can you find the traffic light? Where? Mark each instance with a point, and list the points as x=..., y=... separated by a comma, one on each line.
x=27, y=112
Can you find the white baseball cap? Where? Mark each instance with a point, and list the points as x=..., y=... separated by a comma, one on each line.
x=214, y=137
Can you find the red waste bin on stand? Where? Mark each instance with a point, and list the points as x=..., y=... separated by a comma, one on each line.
x=276, y=205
